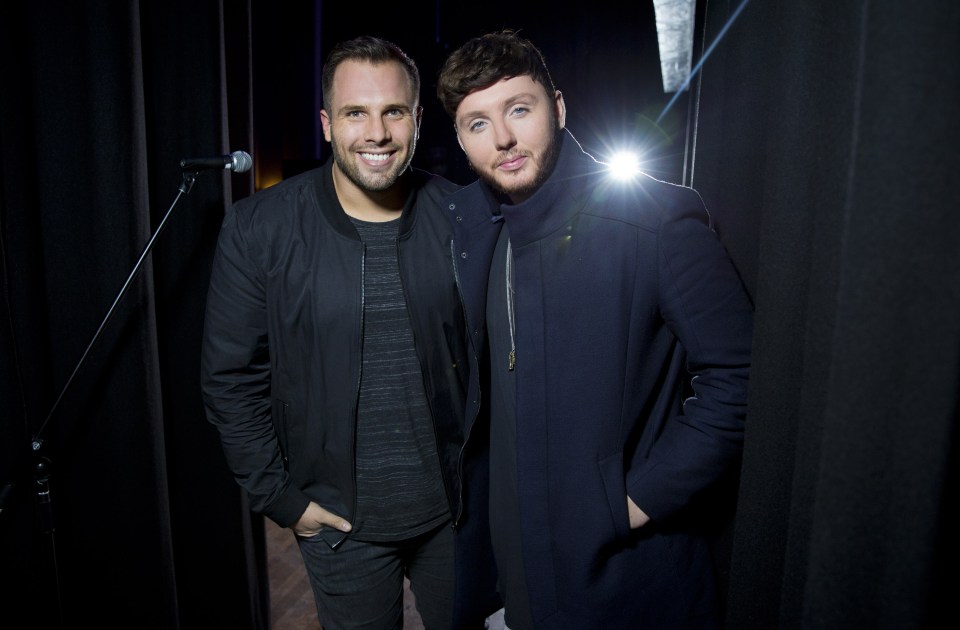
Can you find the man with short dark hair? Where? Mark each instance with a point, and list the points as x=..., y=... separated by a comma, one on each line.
x=619, y=339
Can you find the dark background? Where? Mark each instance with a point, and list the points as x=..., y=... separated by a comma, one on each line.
x=824, y=138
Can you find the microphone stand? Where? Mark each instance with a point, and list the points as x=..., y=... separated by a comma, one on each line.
x=41, y=463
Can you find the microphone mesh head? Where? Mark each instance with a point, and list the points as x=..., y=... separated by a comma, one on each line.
x=241, y=162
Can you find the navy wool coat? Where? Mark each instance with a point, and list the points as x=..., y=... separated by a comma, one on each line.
x=633, y=336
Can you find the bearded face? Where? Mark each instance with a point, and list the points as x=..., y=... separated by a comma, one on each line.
x=372, y=123
x=510, y=134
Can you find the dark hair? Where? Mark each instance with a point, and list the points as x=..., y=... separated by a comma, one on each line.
x=370, y=49
x=485, y=60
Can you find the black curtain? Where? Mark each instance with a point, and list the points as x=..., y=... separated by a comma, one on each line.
x=827, y=147
x=99, y=101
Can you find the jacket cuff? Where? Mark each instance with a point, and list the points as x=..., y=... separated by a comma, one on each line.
x=288, y=508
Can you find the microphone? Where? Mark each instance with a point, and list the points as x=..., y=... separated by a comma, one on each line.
x=238, y=162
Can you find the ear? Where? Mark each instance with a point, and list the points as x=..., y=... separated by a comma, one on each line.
x=560, y=109
x=325, y=122
x=417, y=119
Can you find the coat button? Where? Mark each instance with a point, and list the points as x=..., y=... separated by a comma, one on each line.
x=463, y=254
x=452, y=206
x=459, y=219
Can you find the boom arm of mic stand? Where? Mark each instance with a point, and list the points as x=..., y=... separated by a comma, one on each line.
x=185, y=186
x=41, y=464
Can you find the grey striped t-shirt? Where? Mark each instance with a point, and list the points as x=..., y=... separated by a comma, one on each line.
x=400, y=493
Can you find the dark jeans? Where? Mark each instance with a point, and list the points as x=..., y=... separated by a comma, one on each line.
x=359, y=585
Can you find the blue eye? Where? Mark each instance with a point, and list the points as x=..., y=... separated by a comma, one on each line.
x=477, y=126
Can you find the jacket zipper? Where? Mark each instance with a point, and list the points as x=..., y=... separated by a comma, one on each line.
x=466, y=325
x=356, y=391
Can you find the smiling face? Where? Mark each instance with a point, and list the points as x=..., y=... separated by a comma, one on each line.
x=372, y=123
x=509, y=132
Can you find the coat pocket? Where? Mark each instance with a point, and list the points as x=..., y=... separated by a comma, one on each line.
x=614, y=481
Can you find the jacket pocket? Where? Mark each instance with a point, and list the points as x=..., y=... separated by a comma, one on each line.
x=614, y=481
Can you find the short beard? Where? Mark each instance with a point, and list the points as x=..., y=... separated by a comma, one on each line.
x=370, y=183
x=550, y=155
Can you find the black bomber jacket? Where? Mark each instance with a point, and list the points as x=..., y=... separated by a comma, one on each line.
x=280, y=364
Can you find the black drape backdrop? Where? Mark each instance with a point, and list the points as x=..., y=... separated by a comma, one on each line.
x=825, y=145
x=99, y=101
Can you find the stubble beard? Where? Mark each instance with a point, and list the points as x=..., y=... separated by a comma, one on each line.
x=545, y=166
x=371, y=182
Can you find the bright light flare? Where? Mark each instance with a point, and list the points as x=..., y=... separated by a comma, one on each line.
x=624, y=165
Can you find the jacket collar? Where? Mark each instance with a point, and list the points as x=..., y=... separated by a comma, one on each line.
x=338, y=218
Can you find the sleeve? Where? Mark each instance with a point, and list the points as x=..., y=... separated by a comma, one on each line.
x=704, y=303
x=235, y=377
